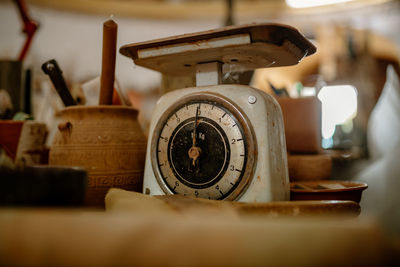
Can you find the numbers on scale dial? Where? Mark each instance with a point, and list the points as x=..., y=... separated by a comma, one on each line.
x=202, y=150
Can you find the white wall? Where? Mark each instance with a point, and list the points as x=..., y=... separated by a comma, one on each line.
x=75, y=41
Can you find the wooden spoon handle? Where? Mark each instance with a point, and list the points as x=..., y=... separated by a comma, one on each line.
x=110, y=29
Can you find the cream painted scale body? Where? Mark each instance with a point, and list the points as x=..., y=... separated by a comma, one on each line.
x=269, y=176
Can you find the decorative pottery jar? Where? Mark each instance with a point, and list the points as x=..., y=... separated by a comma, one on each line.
x=108, y=142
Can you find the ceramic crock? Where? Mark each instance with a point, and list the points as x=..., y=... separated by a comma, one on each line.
x=108, y=142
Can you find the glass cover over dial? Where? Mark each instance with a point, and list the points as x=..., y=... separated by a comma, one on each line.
x=203, y=147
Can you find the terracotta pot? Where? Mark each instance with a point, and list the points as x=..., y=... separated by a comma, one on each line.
x=24, y=141
x=108, y=142
x=302, y=119
x=308, y=167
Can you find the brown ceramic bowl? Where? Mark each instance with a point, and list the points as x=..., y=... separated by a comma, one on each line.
x=327, y=190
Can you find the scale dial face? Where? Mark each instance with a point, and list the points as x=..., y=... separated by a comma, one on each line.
x=203, y=146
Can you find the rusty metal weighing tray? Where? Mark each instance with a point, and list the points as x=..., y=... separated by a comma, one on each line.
x=239, y=48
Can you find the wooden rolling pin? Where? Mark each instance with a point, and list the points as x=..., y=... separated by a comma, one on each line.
x=110, y=29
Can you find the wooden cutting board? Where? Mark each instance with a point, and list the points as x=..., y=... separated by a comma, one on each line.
x=122, y=200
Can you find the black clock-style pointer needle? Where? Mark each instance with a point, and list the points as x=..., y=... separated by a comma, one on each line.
x=194, y=151
x=195, y=128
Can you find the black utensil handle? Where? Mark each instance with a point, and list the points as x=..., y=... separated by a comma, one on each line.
x=52, y=69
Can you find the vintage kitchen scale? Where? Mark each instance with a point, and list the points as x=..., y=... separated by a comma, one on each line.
x=219, y=141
